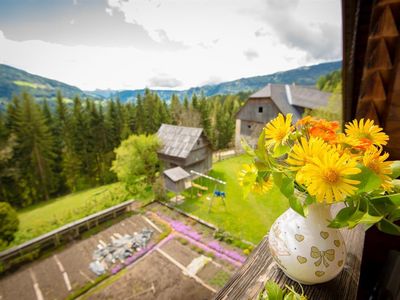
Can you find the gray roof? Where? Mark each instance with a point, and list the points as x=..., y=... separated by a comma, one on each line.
x=309, y=97
x=288, y=96
x=178, y=141
x=176, y=174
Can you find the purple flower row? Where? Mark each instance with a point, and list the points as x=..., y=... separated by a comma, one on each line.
x=230, y=253
x=189, y=232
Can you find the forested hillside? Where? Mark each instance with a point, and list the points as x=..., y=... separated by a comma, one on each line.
x=303, y=75
x=46, y=152
x=14, y=81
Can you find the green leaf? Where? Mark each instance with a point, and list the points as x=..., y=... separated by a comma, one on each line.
x=384, y=205
x=274, y=291
x=388, y=227
x=366, y=218
x=261, y=166
x=246, y=147
x=286, y=187
x=296, y=205
x=395, y=198
x=342, y=217
x=355, y=218
x=309, y=200
x=280, y=150
x=395, y=169
x=284, y=183
x=369, y=181
x=248, y=180
x=395, y=215
x=260, y=151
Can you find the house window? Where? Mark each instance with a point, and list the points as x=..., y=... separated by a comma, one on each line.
x=248, y=126
x=260, y=109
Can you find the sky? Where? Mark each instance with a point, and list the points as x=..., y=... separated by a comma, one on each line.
x=166, y=44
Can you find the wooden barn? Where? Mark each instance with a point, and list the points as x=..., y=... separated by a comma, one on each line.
x=184, y=147
x=265, y=105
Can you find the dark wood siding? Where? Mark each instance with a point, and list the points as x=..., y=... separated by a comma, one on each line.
x=251, y=110
x=176, y=187
x=201, y=143
x=196, y=156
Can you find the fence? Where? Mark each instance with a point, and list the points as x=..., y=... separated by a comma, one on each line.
x=224, y=154
x=52, y=239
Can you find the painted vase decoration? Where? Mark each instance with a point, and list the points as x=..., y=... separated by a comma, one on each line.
x=306, y=249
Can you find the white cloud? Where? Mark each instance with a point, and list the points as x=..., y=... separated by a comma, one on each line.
x=164, y=81
x=109, y=11
x=208, y=41
x=251, y=54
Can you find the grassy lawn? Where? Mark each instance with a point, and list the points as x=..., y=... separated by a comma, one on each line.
x=247, y=218
x=46, y=216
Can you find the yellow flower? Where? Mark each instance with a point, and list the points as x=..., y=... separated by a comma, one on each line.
x=262, y=186
x=303, y=152
x=248, y=176
x=326, y=178
x=277, y=130
x=341, y=138
x=366, y=133
x=376, y=162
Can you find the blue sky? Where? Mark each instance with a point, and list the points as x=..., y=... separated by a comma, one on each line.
x=124, y=44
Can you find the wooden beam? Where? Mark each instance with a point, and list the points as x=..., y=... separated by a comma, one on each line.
x=386, y=26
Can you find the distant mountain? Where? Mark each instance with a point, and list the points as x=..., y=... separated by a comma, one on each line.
x=303, y=75
x=13, y=81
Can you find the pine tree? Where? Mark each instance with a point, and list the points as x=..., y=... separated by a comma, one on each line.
x=140, y=116
x=77, y=163
x=34, y=151
x=62, y=141
x=130, y=125
x=11, y=115
x=176, y=110
x=9, y=189
x=195, y=103
x=204, y=110
x=114, y=124
x=186, y=102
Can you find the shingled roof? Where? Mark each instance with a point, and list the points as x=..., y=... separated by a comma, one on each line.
x=176, y=174
x=286, y=97
x=178, y=141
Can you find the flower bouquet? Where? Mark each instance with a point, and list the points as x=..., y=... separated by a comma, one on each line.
x=314, y=166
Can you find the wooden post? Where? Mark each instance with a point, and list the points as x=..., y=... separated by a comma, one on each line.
x=57, y=239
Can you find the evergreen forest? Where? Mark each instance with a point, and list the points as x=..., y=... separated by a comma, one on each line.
x=51, y=148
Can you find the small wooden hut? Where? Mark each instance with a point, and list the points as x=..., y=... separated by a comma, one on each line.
x=184, y=147
x=177, y=180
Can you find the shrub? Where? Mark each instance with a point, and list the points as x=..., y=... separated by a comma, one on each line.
x=137, y=162
x=8, y=223
x=160, y=193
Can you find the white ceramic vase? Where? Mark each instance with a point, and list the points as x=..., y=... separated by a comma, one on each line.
x=306, y=249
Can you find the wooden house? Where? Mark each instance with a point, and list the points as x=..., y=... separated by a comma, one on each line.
x=184, y=147
x=265, y=104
